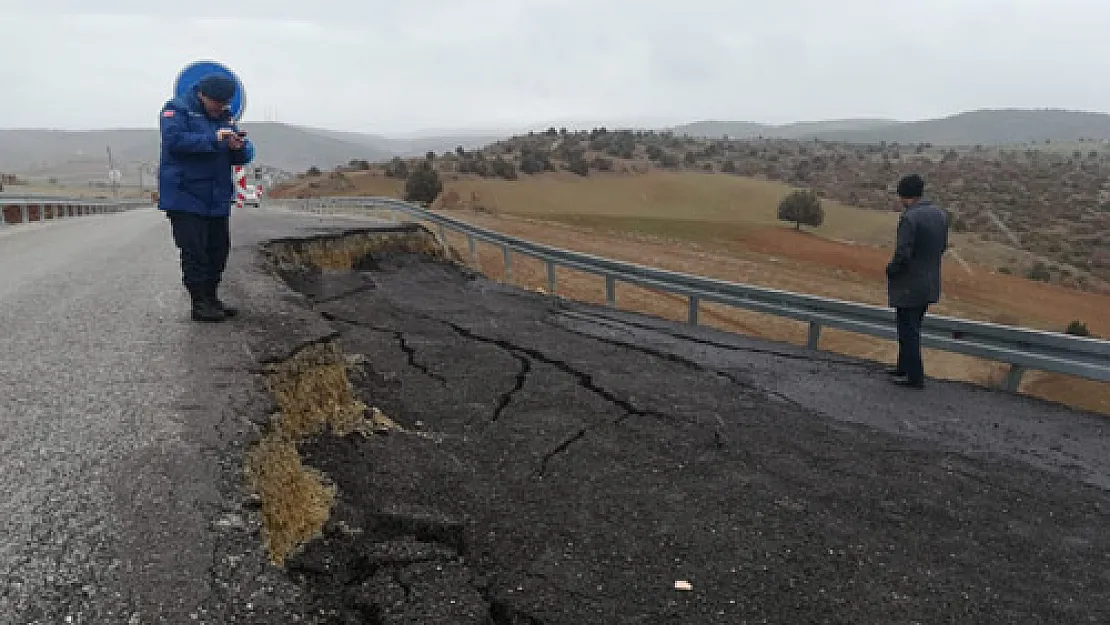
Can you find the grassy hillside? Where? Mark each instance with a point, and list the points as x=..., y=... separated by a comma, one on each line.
x=1048, y=206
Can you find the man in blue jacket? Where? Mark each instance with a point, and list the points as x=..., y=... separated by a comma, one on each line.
x=200, y=144
x=913, y=275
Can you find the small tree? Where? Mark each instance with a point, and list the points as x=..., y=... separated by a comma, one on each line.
x=313, y=171
x=802, y=207
x=423, y=184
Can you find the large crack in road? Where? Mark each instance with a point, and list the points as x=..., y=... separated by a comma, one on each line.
x=544, y=470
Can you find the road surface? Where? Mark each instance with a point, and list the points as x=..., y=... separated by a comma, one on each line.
x=122, y=424
x=559, y=463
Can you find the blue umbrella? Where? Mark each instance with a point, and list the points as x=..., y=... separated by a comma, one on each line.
x=191, y=75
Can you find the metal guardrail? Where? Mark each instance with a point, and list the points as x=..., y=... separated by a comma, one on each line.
x=23, y=209
x=1022, y=348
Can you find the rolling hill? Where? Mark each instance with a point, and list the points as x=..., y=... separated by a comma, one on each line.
x=796, y=130
x=77, y=156
x=983, y=127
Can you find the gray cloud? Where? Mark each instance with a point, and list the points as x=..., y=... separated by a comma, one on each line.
x=397, y=67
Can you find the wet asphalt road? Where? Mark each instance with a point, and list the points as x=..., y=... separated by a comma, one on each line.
x=123, y=426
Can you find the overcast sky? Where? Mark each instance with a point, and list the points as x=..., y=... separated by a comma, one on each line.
x=409, y=65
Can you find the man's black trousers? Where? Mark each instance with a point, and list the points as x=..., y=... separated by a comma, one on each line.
x=204, y=243
x=909, y=342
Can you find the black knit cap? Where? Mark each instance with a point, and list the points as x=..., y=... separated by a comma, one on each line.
x=911, y=186
x=219, y=88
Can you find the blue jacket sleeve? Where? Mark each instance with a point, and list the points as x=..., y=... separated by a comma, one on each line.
x=177, y=137
x=243, y=156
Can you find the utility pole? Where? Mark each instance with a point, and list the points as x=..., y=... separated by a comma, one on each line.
x=114, y=175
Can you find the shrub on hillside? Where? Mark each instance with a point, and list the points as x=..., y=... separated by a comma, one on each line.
x=802, y=207
x=423, y=184
x=531, y=162
x=1078, y=328
x=397, y=168
x=602, y=164
x=1039, y=271
x=503, y=169
x=579, y=166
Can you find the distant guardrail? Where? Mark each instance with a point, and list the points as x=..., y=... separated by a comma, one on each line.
x=24, y=209
x=1022, y=349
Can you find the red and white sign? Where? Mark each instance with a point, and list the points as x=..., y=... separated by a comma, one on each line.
x=241, y=183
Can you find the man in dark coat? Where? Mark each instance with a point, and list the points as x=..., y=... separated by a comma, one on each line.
x=913, y=275
x=200, y=145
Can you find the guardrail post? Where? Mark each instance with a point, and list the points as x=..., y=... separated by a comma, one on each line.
x=472, y=246
x=814, y=339
x=1013, y=378
x=508, y=263
x=692, y=316
x=610, y=290
x=552, y=286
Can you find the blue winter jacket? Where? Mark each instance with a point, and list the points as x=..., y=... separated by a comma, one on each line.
x=194, y=174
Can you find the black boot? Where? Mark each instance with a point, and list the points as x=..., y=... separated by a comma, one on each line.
x=212, y=297
x=204, y=310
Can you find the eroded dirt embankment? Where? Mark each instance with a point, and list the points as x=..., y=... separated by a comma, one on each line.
x=461, y=452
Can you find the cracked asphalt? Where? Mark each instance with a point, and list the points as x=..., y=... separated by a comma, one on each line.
x=563, y=463
x=558, y=463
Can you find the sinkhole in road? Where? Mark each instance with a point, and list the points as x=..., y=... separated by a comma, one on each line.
x=311, y=387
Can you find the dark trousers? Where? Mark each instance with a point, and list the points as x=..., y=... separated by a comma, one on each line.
x=204, y=243
x=909, y=342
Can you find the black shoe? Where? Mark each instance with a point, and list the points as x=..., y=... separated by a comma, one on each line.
x=212, y=297
x=908, y=383
x=228, y=311
x=207, y=312
x=894, y=372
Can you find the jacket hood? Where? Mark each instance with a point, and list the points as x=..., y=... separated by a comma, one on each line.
x=191, y=102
